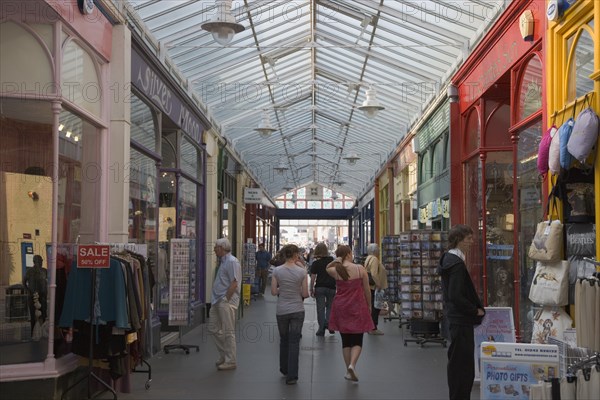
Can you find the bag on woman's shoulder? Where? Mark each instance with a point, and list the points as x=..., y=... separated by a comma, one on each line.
x=371, y=280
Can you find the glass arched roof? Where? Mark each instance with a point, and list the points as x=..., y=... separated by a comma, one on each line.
x=307, y=64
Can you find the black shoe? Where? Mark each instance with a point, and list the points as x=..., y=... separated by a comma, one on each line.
x=291, y=381
x=331, y=331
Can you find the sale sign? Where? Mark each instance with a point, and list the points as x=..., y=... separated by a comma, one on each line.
x=93, y=256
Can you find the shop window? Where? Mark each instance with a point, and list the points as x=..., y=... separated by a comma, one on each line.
x=142, y=198
x=425, y=170
x=530, y=93
x=79, y=80
x=437, y=160
x=530, y=213
x=188, y=202
x=143, y=125
x=474, y=218
x=446, y=151
x=580, y=63
x=472, y=133
x=499, y=228
x=190, y=158
x=26, y=187
x=496, y=130
x=169, y=150
x=23, y=60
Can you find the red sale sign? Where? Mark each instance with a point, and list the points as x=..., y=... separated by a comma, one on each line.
x=93, y=256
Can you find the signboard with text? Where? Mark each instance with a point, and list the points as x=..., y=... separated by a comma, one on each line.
x=497, y=326
x=509, y=369
x=93, y=256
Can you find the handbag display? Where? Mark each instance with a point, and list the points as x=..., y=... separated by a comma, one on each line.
x=548, y=240
x=550, y=322
x=550, y=286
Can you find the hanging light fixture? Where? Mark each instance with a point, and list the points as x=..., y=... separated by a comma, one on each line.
x=294, y=198
x=222, y=25
x=334, y=195
x=280, y=168
x=371, y=106
x=351, y=157
x=264, y=128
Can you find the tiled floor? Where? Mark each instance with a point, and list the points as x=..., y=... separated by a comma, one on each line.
x=387, y=369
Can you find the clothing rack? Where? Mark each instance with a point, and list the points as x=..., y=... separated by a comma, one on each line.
x=572, y=368
x=90, y=376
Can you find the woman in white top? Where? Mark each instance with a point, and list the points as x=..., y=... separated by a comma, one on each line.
x=290, y=284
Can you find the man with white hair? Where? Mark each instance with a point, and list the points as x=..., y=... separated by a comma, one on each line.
x=224, y=304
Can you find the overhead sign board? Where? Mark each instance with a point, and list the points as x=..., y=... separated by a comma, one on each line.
x=252, y=196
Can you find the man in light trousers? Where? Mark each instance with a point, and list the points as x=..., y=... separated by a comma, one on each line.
x=224, y=304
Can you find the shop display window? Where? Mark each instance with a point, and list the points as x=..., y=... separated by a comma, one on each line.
x=143, y=125
x=530, y=212
x=530, y=93
x=80, y=83
x=190, y=159
x=472, y=133
x=580, y=62
x=499, y=228
x=26, y=190
x=474, y=218
x=187, y=208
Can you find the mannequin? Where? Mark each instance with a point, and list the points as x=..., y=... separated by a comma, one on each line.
x=36, y=281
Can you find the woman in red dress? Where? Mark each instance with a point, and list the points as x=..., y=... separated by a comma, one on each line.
x=350, y=311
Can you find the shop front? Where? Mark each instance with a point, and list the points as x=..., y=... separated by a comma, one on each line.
x=53, y=183
x=363, y=224
x=404, y=169
x=495, y=129
x=432, y=145
x=166, y=188
x=573, y=67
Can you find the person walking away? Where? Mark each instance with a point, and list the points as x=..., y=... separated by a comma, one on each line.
x=379, y=274
x=262, y=267
x=464, y=311
x=322, y=287
x=224, y=304
x=290, y=283
x=350, y=309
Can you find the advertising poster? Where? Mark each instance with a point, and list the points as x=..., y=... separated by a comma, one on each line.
x=509, y=369
x=497, y=326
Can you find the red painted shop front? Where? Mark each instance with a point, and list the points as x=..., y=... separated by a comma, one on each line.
x=496, y=125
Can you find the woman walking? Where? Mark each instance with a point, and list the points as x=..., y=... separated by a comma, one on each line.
x=379, y=274
x=290, y=284
x=350, y=310
x=322, y=287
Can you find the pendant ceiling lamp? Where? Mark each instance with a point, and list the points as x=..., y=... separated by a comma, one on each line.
x=351, y=157
x=264, y=128
x=371, y=106
x=280, y=168
x=222, y=25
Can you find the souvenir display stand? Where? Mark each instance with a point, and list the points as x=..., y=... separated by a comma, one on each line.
x=181, y=287
x=421, y=286
x=390, y=258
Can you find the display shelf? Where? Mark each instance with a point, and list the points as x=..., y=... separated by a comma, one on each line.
x=390, y=258
x=420, y=289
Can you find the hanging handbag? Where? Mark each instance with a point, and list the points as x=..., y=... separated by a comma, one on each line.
x=550, y=321
x=550, y=285
x=548, y=240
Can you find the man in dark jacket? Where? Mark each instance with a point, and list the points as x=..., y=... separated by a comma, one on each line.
x=463, y=309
